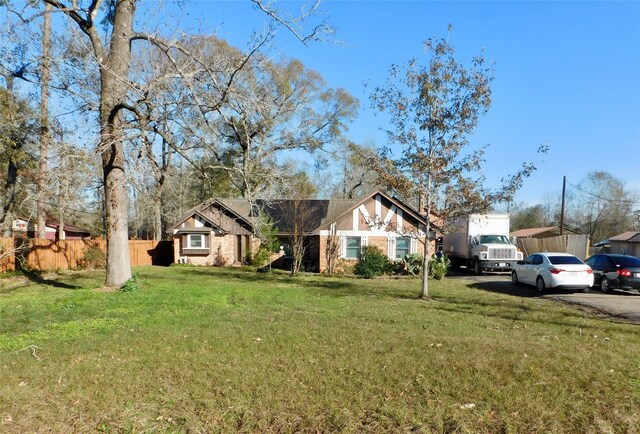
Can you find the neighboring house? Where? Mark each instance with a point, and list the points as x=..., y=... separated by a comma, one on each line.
x=23, y=228
x=546, y=232
x=627, y=243
x=213, y=233
x=220, y=231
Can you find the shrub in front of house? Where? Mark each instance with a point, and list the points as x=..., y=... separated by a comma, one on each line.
x=439, y=266
x=262, y=257
x=395, y=268
x=412, y=263
x=371, y=262
x=219, y=259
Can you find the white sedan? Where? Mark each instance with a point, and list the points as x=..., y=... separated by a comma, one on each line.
x=553, y=270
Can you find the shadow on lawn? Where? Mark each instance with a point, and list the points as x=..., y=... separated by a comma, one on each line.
x=329, y=286
x=506, y=288
x=37, y=278
x=521, y=311
x=526, y=314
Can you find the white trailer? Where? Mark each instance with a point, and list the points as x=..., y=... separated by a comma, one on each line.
x=481, y=242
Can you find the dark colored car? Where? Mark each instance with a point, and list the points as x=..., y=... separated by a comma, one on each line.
x=615, y=271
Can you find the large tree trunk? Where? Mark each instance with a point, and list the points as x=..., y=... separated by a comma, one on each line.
x=61, y=235
x=44, y=126
x=9, y=199
x=157, y=214
x=158, y=194
x=116, y=207
x=114, y=65
x=113, y=93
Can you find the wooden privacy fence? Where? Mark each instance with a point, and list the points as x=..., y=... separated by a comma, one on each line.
x=7, y=256
x=577, y=245
x=71, y=254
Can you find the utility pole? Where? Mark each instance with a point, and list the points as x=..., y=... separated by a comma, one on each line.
x=564, y=187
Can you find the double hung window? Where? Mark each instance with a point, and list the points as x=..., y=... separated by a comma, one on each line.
x=353, y=247
x=403, y=247
x=195, y=241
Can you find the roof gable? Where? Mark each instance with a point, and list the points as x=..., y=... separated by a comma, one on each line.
x=289, y=215
x=353, y=204
x=631, y=236
x=206, y=221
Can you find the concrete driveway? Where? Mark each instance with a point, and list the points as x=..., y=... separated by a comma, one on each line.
x=618, y=303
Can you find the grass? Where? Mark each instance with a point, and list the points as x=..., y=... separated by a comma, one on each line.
x=226, y=350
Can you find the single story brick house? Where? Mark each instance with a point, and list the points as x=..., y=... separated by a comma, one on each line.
x=220, y=231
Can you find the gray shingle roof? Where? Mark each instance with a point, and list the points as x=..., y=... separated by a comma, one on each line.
x=318, y=213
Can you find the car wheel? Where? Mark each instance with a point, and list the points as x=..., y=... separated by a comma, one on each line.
x=540, y=286
x=477, y=270
x=514, y=279
x=605, y=286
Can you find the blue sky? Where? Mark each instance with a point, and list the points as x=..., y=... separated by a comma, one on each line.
x=567, y=74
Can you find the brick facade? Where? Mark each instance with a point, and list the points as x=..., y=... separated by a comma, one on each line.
x=378, y=219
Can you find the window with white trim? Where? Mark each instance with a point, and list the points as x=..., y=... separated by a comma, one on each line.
x=403, y=247
x=353, y=247
x=195, y=241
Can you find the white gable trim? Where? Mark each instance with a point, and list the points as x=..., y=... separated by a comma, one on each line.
x=365, y=215
x=389, y=216
x=373, y=233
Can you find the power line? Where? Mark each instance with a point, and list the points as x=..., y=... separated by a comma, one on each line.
x=600, y=197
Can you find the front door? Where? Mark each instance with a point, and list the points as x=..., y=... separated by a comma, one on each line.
x=239, y=249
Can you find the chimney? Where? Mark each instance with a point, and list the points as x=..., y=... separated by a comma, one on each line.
x=421, y=204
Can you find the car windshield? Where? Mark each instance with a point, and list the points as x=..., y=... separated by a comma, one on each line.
x=559, y=260
x=494, y=239
x=627, y=261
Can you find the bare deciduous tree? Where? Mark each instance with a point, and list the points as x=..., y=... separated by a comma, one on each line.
x=44, y=123
x=332, y=249
x=17, y=144
x=606, y=205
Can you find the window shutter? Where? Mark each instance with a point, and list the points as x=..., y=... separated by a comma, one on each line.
x=390, y=247
x=343, y=246
x=414, y=246
x=184, y=242
x=364, y=241
x=206, y=241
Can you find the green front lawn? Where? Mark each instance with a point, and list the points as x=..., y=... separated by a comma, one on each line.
x=225, y=350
